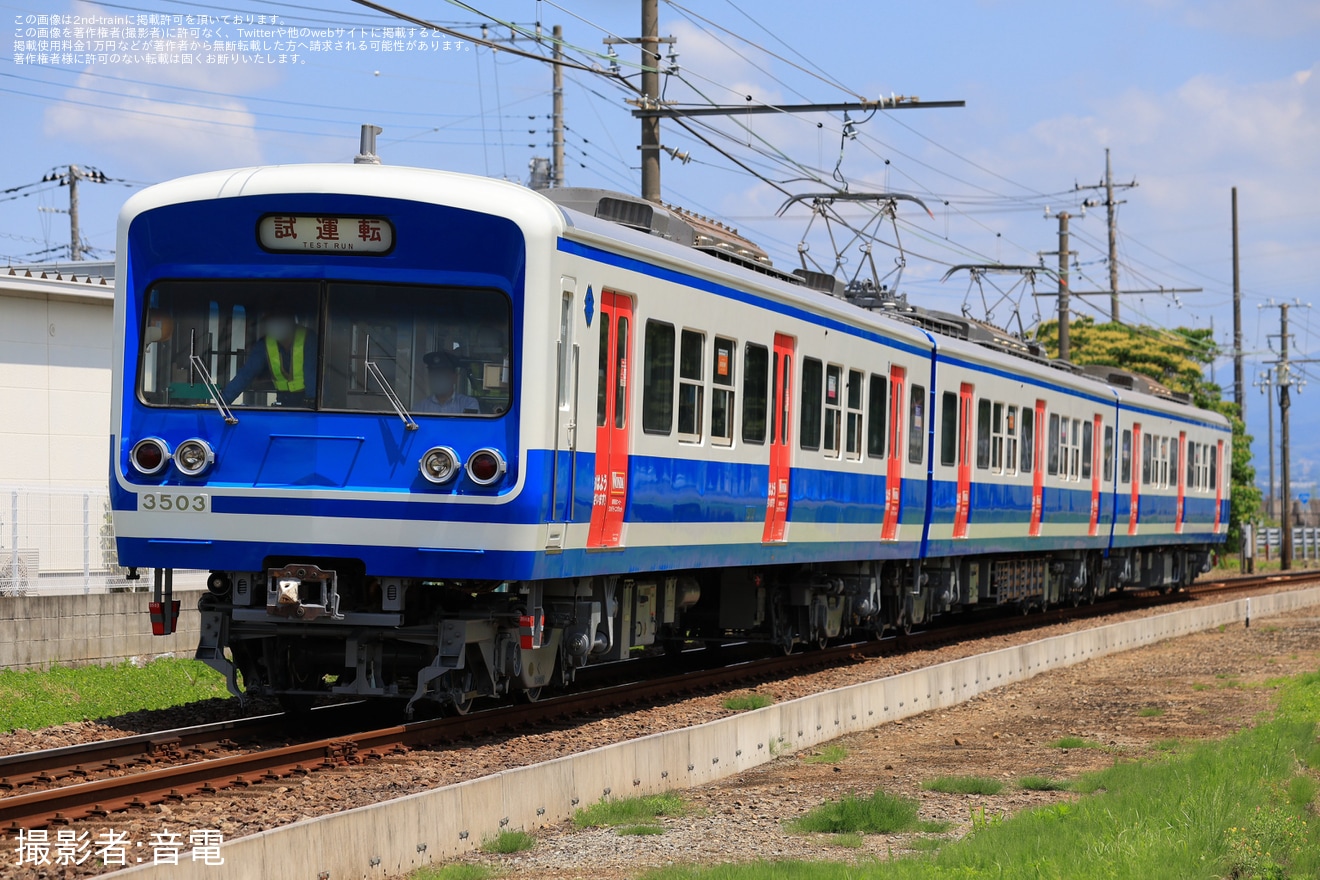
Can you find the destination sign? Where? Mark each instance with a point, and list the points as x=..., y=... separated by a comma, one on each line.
x=307, y=233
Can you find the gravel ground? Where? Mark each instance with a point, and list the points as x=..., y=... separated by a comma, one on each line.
x=1002, y=733
x=1203, y=685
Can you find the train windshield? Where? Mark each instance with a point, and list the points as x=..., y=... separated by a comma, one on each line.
x=332, y=346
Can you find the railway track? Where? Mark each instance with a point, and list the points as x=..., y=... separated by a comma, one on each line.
x=190, y=767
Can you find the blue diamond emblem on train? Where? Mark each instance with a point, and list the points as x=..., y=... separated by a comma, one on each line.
x=589, y=305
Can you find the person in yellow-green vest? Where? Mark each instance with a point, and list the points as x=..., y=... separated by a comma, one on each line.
x=286, y=356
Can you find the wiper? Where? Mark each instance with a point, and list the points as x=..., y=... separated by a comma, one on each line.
x=216, y=395
x=392, y=396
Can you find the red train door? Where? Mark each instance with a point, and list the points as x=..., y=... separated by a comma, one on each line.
x=1136, y=478
x=1096, y=443
x=1182, y=482
x=963, y=503
x=781, y=459
x=1038, y=470
x=894, y=471
x=1219, y=483
x=610, y=495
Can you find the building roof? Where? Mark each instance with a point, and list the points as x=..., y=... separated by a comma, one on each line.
x=83, y=280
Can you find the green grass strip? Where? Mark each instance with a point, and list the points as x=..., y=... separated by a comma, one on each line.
x=1242, y=807
x=630, y=811
x=34, y=699
x=964, y=785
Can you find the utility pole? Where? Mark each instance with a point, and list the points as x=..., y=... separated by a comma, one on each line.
x=1108, y=186
x=557, y=112
x=1065, y=341
x=70, y=177
x=1283, y=381
x=651, y=93
x=1238, y=397
x=1266, y=385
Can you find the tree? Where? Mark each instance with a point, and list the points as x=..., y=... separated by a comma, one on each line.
x=1177, y=359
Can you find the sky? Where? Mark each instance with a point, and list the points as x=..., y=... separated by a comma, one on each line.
x=1190, y=98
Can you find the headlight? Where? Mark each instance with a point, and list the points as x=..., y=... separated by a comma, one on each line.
x=439, y=465
x=150, y=456
x=485, y=466
x=193, y=457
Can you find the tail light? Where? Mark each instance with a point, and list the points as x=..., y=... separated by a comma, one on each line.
x=150, y=456
x=485, y=466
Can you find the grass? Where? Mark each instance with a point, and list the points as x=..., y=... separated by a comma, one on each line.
x=848, y=840
x=964, y=785
x=630, y=811
x=453, y=872
x=831, y=754
x=34, y=699
x=746, y=702
x=1041, y=783
x=1242, y=807
x=880, y=813
x=509, y=842
x=1075, y=742
x=1150, y=712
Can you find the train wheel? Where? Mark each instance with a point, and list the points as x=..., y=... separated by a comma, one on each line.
x=530, y=695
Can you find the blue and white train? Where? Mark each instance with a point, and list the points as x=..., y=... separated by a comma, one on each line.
x=440, y=437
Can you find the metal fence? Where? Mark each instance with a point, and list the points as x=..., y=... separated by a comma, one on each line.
x=1306, y=542
x=58, y=541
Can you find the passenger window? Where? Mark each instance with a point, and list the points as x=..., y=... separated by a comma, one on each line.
x=691, y=387
x=1145, y=460
x=1125, y=470
x=1010, y=440
x=1164, y=462
x=877, y=414
x=949, y=429
x=813, y=374
x=658, y=379
x=833, y=401
x=1173, y=461
x=756, y=363
x=1087, y=430
x=1192, y=470
x=917, y=425
x=1214, y=465
x=983, y=434
x=1054, y=444
x=1028, y=439
x=721, y=394
x=997, y=439
x=854, y=403
x=1108, y=453
x=1074, y=471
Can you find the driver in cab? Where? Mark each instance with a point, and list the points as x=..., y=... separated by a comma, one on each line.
x=442, y=374
x=286, y=356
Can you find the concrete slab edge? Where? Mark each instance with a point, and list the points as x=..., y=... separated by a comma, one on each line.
x=399, y=836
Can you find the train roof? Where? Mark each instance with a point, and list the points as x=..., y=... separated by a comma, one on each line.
x=651, y=230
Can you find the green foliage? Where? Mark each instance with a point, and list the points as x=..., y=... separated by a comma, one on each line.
x=1177, y=358
x=1075, y=742
x=509, y=842
x=1041, y=783
x=848, y=841
x=964, y=785
x=34, y=699
x=747, y=701
x=1150, y=712
x=880, y=813
x=630, y=811
x=830, y=754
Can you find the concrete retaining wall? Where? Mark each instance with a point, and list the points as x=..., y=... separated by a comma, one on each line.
x=398, y=836
x=37, y=632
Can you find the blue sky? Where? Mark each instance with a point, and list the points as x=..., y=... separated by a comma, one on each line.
x=1192, y=98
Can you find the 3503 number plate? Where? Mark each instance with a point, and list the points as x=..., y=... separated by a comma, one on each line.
x=174, y=502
